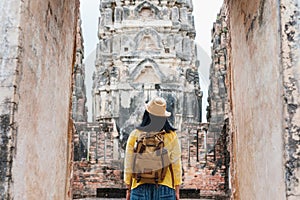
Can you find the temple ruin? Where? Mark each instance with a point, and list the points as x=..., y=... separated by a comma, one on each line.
x=145, y=49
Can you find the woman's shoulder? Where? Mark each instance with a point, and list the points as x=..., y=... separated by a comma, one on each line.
x=135, y=133
x=171, y=134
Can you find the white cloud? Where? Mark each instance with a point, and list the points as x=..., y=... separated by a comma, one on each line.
x=205, y=14
x=89, y=11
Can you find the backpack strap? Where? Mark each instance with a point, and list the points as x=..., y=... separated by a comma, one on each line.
x=170, y=166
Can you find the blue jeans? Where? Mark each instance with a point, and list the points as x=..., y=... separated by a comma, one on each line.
x=152, y=192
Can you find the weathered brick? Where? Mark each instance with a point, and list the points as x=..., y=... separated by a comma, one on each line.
x=36, y=61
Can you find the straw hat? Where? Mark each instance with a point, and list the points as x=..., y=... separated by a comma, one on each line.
x=157, y=107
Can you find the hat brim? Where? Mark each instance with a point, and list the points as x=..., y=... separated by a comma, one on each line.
x=166, y=114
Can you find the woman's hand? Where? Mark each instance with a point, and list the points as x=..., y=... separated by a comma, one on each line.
x=127, y=194
x=177, y=195
x=177, y=192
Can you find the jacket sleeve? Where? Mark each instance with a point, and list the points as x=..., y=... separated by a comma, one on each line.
x=176, y=160
x=129, y=158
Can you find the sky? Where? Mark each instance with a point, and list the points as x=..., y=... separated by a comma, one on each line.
x=205, y=13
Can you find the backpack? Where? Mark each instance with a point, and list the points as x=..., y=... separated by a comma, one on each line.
x=151, y=160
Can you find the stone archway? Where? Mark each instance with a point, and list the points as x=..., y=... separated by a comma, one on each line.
x=35, y=79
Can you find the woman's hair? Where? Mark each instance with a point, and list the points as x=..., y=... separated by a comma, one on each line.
x=146, y=121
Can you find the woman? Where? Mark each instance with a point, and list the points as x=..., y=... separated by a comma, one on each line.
x=155, y=120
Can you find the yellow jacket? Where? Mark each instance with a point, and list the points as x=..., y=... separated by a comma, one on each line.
x=174, y=150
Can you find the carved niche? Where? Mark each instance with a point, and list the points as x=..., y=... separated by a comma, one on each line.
x=148, y=39
x=147, y=11
x=147, y=71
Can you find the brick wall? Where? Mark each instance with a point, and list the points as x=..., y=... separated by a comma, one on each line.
x=9, y=41
x=205, y=172
x=290, y=40
x=264, y=69
x=96, y=166
x=37, y=54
